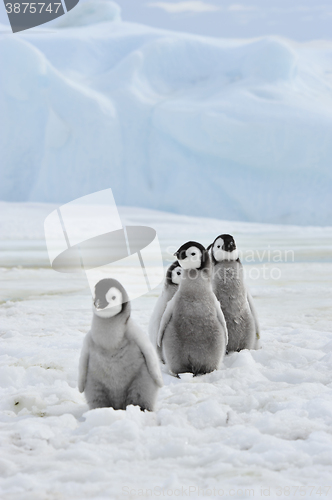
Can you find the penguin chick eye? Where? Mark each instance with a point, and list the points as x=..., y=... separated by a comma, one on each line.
x=193, y=253
x=113, y=297
x=218, y=246
x=178, y=273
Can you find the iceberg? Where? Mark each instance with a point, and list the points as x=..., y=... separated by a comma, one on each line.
x=226, y=128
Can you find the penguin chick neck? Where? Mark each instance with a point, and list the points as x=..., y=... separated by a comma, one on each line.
x=193, y=280
x=109, y=332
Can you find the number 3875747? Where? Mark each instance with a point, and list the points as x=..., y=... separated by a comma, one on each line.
x=32, y=8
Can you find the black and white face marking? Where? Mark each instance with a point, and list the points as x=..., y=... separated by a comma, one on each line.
x=224, y=248
x=173, y=274
x=190, y=255
x=176, y=275
x=108, y=301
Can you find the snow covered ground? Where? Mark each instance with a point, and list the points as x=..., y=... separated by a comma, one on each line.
x=238, y=129
x=260, y=426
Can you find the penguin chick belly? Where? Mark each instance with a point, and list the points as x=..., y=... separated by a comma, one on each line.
x=194, y=339
x=241, y=331
x=111, y=374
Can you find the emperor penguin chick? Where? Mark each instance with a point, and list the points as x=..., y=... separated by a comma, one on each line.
x=171, y=285
x=118, y=365
x=236, y=303
x=193, y=332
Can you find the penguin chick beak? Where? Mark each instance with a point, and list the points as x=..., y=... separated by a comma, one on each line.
x=182, y=255
x=97, y=303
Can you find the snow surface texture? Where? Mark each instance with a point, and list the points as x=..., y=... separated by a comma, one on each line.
x=238, y=129
x=263, y=420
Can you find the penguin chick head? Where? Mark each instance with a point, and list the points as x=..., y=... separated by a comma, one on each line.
x=192, y=255
x=173, y=275
x=110, y=298
x=224, y=248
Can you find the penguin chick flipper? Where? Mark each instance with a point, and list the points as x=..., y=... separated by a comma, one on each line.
x=221, y=317
x=155, y=320
x=83, y=364
x=254, y=315
x=142, y=341
x=165, y=320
